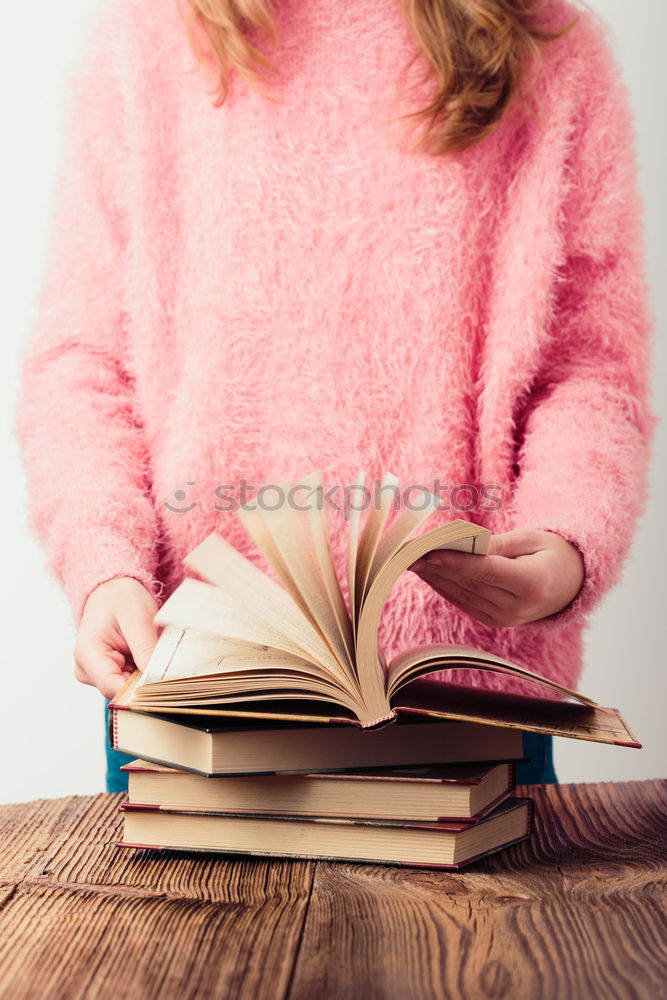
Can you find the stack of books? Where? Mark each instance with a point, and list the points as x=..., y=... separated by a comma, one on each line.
x=269, y=722
x=246, y=788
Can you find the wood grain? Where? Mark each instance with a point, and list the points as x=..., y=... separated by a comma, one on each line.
x=90, y=919
x=577, y=912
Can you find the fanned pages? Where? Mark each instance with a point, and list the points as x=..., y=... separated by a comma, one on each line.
x=241, y=639
x=291, y=550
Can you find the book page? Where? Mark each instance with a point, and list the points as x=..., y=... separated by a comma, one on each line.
x=322, y=543
x=354, y=525
x=457, y=534
x=438, y=656
x=406, y=522
x=192, y=653
x=216, y=688
x=229, y=613
x=370, y=537
x=285, y=535
x=212, y=706
x=172, y=658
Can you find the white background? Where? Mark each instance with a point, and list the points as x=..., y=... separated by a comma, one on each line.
x=51, y=727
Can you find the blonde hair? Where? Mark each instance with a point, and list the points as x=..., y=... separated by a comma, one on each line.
x=477, y=51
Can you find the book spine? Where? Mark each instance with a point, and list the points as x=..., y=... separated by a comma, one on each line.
x=384, y=720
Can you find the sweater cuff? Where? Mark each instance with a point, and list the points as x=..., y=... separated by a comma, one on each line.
x=96, y=557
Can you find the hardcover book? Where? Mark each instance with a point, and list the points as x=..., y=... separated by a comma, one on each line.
x=462, y=793
x=215, y=746
x=438, y=845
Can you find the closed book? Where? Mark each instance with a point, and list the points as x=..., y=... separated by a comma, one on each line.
x=211, y=746
x=464, y=792
x=411, y=843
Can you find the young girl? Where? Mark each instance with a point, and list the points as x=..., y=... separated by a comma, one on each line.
x=397, y=235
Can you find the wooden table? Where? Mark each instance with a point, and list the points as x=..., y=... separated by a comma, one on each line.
x=578, y=912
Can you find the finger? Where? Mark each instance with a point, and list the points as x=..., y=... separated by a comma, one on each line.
x=471, y=610
x=501, y=565
x=459, y=594
x=501, y=600
x=518, y=542
x=98, y=664
x=80, y=674
x=496, y=616
x=140, y=635
x=110, y=683
x=499, y=572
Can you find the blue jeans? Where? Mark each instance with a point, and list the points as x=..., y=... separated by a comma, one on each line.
x=537, y=771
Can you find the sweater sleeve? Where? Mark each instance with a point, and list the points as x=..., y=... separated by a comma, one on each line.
x=586, y=433
x=81, y=444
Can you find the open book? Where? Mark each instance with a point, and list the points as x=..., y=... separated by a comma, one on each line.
x=237, y=639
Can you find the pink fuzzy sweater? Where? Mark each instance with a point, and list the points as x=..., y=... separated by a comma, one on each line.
x=263, y=289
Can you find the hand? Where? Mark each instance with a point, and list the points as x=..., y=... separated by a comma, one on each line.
x=526, y=575
x=117, y=620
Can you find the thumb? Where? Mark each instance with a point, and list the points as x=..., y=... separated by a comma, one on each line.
x=518, y=542
x=140, y=634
